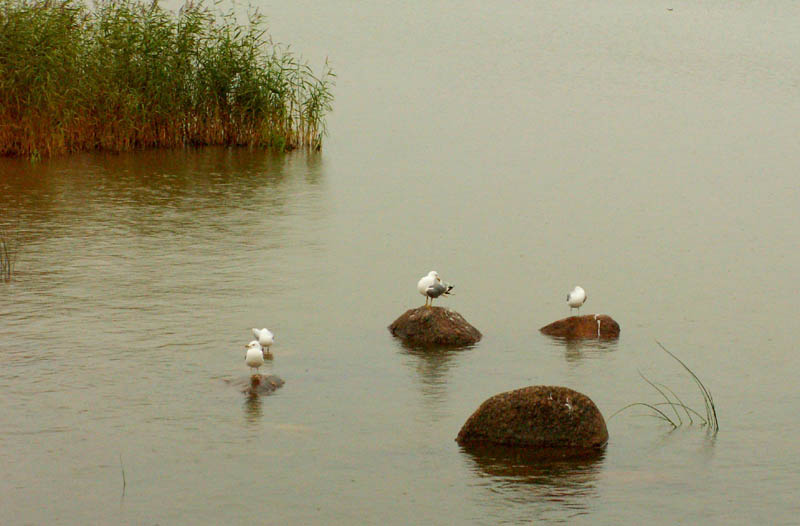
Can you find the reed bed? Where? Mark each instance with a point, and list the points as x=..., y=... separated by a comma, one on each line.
x=124, y=75
x=672, y=404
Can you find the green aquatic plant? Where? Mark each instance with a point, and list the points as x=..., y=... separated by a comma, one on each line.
x=675, y=404
x=128, y=74
x=124, y=482
x=8, y=253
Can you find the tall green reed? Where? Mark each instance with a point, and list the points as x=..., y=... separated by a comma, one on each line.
x=128, y=74
x=8, y=253
x=673, y=404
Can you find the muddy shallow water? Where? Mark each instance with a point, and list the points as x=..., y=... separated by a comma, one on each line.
x=648, y=155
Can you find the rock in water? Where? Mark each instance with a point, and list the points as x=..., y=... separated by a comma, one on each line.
x=539, y=416
x=261, y=385
x=597, y=326
x=434, y=326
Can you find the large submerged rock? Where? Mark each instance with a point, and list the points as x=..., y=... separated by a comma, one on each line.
x=427, y=326
x=599, y=326
x=551, y=418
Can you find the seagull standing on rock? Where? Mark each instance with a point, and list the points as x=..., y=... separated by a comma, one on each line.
x=432, y=286
x=254, y=357
x=576, y=298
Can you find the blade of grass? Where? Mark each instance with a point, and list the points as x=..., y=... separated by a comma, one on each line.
x=680, y=402
x=687, y=408
x=669, y=402
x=659, y=414
x=711, y=410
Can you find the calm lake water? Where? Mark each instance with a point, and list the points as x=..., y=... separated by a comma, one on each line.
x=647, y=151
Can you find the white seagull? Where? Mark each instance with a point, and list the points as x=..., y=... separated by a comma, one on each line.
x=576, y=298
x=265, y=339
x=254, y=357
x=432, y=286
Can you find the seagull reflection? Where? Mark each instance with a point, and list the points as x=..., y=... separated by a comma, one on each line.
x=255, y=387
x=253, y=408
x=576, y=351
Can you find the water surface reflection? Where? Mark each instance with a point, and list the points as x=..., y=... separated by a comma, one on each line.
x=149, y=192
x=537, y=487
x=578, y=350
x=253, y=408
x=433, y=366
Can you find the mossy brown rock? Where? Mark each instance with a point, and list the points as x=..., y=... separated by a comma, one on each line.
x=539, y=416
x=599, y=326
x=427, y=326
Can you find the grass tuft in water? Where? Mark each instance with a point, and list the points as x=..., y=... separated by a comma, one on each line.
x=674, y=403
x=128, y=74
x=124, y=482
x=8, y=253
